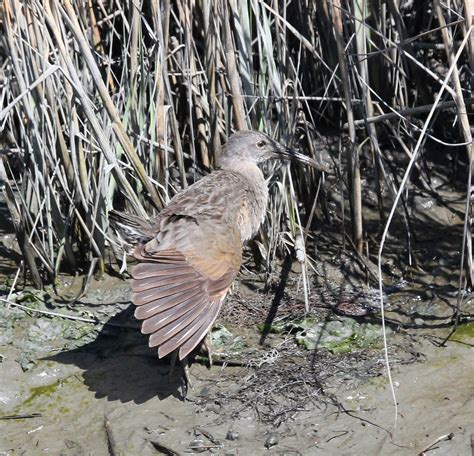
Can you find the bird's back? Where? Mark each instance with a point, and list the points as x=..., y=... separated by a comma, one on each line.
x=224, y=197
x=188, y=266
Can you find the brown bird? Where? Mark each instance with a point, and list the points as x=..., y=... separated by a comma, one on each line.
x=191, y=252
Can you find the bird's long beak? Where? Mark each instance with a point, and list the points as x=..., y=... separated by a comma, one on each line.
x=290, y=154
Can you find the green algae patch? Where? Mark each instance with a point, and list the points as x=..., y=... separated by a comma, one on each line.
x=221, y=337
x=39, y=393
x=50, y=398
x=339, y=336
x=465, y=333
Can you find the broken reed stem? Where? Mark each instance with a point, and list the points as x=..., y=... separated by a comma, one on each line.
x=465, y=128
x=352, y=149
x=234, y=80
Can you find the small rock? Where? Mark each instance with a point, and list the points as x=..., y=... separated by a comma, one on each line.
x=424, y=204
x=205, y=392
x=436, y=182
x=272, y=440
x=197, y=445
x=232, y=435
x=26, y=362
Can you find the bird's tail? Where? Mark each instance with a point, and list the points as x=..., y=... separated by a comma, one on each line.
x=131, y=229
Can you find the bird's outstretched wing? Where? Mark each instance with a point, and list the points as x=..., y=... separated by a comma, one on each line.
x=181, y=281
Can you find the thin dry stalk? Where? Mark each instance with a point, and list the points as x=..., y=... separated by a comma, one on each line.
x=352, y=149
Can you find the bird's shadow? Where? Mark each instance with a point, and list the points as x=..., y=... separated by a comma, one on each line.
x=119, y=365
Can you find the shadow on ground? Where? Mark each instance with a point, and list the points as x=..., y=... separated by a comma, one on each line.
x=119, y=365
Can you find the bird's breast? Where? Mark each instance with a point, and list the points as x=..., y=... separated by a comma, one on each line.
x=252, y=208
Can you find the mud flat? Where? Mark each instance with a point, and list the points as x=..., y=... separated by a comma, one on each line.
x=74, y=387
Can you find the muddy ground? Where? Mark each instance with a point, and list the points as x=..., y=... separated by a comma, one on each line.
x=283, y=382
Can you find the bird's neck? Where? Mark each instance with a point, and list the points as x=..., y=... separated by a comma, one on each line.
x=252, y=173
x=248, y=169
x=252, y=210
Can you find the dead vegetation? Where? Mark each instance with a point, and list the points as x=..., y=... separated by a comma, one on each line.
x=123, y=103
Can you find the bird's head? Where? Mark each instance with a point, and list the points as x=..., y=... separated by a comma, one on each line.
x=257, y=147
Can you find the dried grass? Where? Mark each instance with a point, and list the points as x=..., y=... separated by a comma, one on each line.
x=123, y=103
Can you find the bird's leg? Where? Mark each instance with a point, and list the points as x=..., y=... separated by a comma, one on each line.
x=185, y=365
x=174, y=357
x=187, y=379
x=206, y=343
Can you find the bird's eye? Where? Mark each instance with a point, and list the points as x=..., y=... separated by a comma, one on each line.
x=261, y=144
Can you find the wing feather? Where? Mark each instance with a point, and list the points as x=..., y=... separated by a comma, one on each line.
x=181, y=337
x=182, y=278
x=173, y=331
x=172, y=314
x=151, y=294
x=151, y=282
x=149, y=269
x=191, y=343
x=160, y=305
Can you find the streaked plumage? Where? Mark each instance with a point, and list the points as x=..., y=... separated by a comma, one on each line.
x=191, y=253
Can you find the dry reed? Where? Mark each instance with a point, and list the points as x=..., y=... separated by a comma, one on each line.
x=121, y=104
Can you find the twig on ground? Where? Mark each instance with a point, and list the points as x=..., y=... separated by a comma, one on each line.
x=163, y=448
x=111, y=441
x=94, y=320
x=439, y=439
x=21, y=417
x=50, y=313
